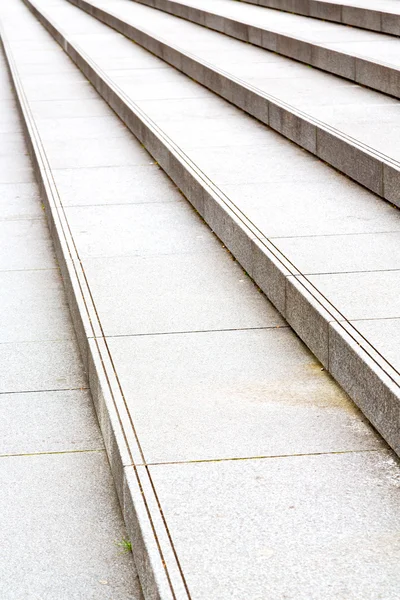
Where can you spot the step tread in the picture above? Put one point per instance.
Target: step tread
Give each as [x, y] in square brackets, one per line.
[248, 162]
[363, 120]
[62, 530]
[366, 57]
[236, 366]
[384, 16]
[381, 5]
[351, 40]
[256, 159]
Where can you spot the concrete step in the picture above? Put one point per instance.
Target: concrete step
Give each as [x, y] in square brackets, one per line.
[242, 468]
[352, 128]
[62, 532]
[371, 59]
[227, 165]
[383, 16]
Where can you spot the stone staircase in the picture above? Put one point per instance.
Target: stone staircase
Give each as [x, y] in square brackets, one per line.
[381, 16]
[242, 466]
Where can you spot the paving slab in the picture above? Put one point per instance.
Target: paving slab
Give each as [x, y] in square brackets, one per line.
[117, 59]
[47, 81]
[64, 109]
[48, 422]
[324, 207]
[96, 186]
[81, 128]
[189, 110]
[41, 366]
[34, 307]
[345, 253]
[35, 43]
[139, 230]
[368, 295]
[20, 201]
[25, 244]
[176, 292]
[53, 59]
[154, 91]
[148, 77]
[226, 132]
[10, 122]
[13, 144]
[6, 95]
[384, 335]
[64, 154]
[382, 136]
[60, 530]
[273, 161]
[242, 389]
[299, 527]
[57, 88]
[40, 68]
[15, 169]
[308, 91]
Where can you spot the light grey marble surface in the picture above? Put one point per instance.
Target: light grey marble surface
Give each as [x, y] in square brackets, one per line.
[61, 524]
[383, 17]
[256, 466]
[60, 518]
[296, 527]
[320, 111]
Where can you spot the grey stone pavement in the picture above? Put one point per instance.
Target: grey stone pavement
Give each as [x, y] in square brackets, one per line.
[340, 237]
[351, 127]
[366, 57]
[267, 479]
[323, 34]
[381, 16]
[60, 522]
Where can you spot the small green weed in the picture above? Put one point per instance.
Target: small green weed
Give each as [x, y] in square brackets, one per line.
[125, 545]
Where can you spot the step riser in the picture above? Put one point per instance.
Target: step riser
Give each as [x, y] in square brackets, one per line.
[376, 76]
[357, 369]
[367, 168]
[363, 18]
[138, 509]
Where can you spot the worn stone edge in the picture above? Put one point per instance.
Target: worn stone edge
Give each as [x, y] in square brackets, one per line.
[326, 59]
[309, 313]
[345, 14]
[363, 164]
[153, 554]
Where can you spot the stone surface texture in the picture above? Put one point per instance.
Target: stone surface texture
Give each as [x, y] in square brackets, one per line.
[242, 468]
[353, 128]
[61, 524]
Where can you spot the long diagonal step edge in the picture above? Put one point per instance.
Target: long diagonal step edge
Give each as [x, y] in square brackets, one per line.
[376, 74]
[370, 168]
[360, 14]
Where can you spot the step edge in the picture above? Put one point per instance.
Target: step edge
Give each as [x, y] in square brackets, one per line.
[378, 173]
[320, 10]
[315, 54]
